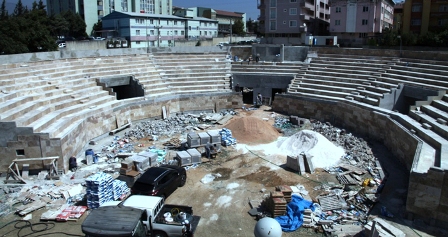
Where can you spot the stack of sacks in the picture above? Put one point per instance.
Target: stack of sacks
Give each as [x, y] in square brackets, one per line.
[99, 189]
[120, 189]
[226, 137]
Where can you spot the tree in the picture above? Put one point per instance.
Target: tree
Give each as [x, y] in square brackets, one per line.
[77, 26]
[97, 27]
[238, 28]
[3, 11]
[20, 9]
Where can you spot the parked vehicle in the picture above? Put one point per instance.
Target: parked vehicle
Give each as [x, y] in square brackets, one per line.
[160, 181]
[114, 221]
[127, 218]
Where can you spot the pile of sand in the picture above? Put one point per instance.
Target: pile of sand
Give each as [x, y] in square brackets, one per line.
[323, 152]
[252, 130]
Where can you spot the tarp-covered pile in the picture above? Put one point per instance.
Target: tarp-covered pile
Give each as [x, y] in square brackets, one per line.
[294, 213]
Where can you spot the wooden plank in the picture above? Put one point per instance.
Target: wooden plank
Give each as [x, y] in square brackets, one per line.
[36, 159]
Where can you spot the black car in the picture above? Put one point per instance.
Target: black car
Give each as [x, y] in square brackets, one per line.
[160, 181]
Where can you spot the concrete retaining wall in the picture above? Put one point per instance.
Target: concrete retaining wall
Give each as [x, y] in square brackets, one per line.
[427, 55]
[39, 145]
[427, 197]
[362, 120]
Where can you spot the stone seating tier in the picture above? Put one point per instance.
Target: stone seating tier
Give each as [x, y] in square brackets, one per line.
[76, 113]
[419, 75]
[386, 78]
[53, 112]
[425, 69]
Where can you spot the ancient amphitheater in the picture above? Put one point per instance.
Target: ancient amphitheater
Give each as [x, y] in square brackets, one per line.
[53, 104]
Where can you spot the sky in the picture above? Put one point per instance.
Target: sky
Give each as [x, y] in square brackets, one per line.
[247, 6]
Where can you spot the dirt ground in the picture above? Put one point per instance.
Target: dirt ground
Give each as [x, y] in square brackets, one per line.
[223, 204]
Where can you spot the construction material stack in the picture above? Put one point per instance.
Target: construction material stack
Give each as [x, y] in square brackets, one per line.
[120, 189]
[226, 137]
[195, 156]
[127, 166]
[183, 158]
[99, 189]
[286, 191]
[276, 204]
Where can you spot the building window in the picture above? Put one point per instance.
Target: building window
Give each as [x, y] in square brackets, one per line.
[137, 42]
[273, 25]
[365, 9]
[100, 2]
[273, 3]
[443, 8]
[443, 22]
[151, 32]
[151, 21]
[362, 35]
[137, 32]
[416, 22]
[292, 11]
[175, 23]
[416, 8]
[293, 23]
[205, 32]
[337, 22]
[139, 21]
[273, 13]
[292, 1]
[20, 152]
[175, 32]
[364, 22]
[182, 32]
[338, 9]
[152, 43]
[189, 27]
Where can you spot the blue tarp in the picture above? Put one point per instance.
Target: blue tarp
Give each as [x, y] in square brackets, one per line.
[294, 213]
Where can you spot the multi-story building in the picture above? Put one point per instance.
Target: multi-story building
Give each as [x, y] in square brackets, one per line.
[421, 16]
[93, 10]
[354, 21]
[398, 16]
[143, 30]
[225, 18]
[290, 21]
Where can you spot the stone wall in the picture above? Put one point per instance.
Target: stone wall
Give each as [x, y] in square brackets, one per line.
[426, 55]
[427, 198]
[40, 145]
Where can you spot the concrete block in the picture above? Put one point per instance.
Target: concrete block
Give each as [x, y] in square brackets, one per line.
[426, 126]
[441, 121]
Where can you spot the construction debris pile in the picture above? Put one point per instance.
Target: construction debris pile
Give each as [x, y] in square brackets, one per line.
[338, 208]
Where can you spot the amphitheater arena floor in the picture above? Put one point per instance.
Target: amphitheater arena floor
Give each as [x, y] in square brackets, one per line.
[223, 204]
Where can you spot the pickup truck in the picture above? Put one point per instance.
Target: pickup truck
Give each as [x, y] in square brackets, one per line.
[159, 219]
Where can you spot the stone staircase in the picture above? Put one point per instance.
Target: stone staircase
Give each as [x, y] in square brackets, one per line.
[54, 96]
[339, 77]
[194, 73]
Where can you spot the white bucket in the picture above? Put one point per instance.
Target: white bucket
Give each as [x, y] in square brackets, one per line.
[169, 219]
[182, 216]
[167, 214]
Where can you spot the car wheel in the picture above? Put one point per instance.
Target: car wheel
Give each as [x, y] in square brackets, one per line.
[183, 180]
[160, 234]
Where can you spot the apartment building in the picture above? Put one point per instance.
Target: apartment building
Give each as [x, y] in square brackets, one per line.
[355, 21]
[290, 21]
[93, 10]
[421, 16]
[225, 18]
[143, 30]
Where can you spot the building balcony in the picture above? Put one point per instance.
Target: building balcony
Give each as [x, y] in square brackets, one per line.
[305, 17]
[307, 5]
